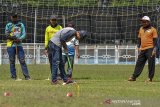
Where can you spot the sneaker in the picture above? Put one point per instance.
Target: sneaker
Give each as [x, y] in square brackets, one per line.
[69, 81]
[131, 79]
[55, 82]
[14, 78]
[148, 80]
[27, 78]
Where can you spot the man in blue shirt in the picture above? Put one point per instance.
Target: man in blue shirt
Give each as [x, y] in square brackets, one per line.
[15, 33]
[55, 48]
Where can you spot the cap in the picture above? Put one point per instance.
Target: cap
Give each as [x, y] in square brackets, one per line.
[70, 24]
[53, 17]
[145, 18]
[83, 34]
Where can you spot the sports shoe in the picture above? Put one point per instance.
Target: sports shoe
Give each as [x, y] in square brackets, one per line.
[69, 81]
[13, 78]
[131, 79]
[55, 82]
[27, 78]
[148, 80]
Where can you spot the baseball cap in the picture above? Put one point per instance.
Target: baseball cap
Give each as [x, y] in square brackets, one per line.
[53, 17]
[83, 34]
[145, 18]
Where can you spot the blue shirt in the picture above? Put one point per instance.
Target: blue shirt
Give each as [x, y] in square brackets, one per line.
[15, 29]
[71, 46]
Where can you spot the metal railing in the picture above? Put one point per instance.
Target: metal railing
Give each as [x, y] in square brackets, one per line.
[93, 54]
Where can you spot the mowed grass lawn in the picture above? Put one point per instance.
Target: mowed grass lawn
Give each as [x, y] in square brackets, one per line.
[99, 86]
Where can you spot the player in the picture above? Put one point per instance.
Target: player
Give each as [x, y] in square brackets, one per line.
[15, 33]
[55, 48]
[49, 33]
[147, 49]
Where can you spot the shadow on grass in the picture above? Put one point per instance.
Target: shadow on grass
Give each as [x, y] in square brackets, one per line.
[80, 78]
[76, 78]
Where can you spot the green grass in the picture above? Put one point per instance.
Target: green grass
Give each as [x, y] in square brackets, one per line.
[97, 84]
[90, 3]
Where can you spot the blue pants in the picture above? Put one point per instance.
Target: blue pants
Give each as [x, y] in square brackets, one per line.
[57, 62]
[50, 59]
[21, 56]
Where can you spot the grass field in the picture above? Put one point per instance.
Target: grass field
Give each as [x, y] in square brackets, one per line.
[99, 86]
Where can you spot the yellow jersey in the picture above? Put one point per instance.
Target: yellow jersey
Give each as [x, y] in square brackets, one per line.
[49, 33]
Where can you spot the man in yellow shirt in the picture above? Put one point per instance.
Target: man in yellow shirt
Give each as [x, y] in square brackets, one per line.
[49, 33]
[147, 39]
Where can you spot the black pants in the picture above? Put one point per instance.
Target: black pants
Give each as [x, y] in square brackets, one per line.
[143, 56]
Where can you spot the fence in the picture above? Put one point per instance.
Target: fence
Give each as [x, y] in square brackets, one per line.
[106, 24]
[94, 54]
